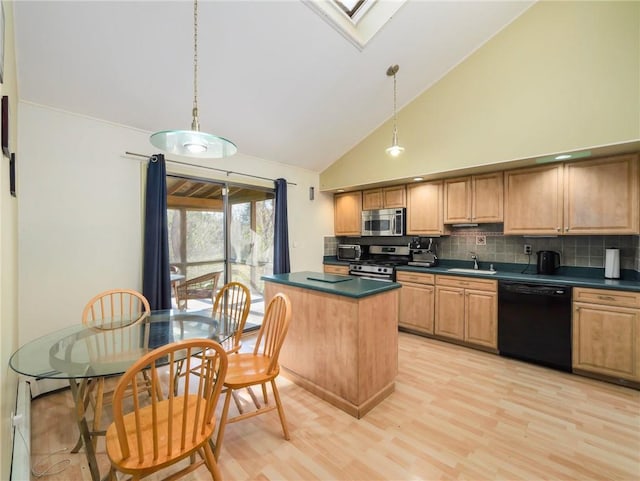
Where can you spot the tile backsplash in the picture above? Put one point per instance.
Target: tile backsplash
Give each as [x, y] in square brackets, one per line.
[575, 251]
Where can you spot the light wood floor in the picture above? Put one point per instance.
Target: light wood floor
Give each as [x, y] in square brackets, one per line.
[457, 413]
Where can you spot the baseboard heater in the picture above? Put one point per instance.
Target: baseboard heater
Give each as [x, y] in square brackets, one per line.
[21, 462]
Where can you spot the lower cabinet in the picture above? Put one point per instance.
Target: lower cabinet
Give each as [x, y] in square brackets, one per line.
[606, 333]
[466, 309]
[334, 269]
[416, 301]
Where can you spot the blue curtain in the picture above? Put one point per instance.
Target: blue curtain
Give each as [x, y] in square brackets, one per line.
[156, 284]
[281, 234]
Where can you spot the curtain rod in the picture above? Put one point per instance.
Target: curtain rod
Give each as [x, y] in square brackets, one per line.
[228, 172]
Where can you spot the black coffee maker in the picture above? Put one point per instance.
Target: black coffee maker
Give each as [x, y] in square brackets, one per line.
[548, 262]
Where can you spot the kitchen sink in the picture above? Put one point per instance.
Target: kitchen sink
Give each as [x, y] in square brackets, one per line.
[471, 271]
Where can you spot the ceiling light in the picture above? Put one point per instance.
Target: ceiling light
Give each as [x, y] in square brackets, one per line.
[418, 179]
[563, 157]
[395, 149]
[193, 143]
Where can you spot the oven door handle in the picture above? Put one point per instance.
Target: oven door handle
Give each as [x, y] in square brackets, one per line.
[372, 276]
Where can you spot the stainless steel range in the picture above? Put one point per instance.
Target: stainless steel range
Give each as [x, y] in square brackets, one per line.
[380, 263]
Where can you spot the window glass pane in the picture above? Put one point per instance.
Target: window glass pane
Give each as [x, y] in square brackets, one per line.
[205, 236]
[173, 226]
[264, 230]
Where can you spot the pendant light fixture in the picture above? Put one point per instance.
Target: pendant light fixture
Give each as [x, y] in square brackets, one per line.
[193, 143]
[395, 149]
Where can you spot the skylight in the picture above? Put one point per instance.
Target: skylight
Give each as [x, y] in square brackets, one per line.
[356, 20]
[350, 7]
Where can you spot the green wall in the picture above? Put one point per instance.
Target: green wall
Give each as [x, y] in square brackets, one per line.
[561, 77]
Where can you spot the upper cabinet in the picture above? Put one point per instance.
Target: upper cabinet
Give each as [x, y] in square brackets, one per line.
[597, 196]
[347, 213]
[601, 196]
[477, 198]
[384, 198]
[533, 200]
[424, 209]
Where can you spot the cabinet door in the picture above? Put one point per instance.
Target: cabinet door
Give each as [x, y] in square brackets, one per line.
[487, 195]
[533, 200]
[481, 325]
[449, 312]
[416, 307]
[372, 199]
[394, 197]
[606, 340]
[457, 200]
[601, 196]
[347, 213]
[424, 209]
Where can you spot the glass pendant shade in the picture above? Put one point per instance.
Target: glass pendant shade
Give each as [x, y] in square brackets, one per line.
[395, 150]
[193, 143]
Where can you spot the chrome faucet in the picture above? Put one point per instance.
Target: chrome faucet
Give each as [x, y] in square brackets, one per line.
[474, 256]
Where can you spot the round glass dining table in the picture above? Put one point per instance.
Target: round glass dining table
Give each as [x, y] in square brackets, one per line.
[80, 354]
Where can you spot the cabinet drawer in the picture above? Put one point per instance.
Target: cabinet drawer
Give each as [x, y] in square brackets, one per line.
[607, 297]
[334, 269]
[415, 277]
[467, 283]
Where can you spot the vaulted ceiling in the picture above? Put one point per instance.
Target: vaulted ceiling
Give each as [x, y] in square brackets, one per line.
[274, 77]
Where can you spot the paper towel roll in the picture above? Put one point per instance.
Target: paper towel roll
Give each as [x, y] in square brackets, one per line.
[612, 264]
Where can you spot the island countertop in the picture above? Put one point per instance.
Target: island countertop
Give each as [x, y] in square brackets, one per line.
[348, 286]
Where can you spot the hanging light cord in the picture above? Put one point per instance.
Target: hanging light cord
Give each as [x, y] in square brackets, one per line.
[395, 110]
[195, 124]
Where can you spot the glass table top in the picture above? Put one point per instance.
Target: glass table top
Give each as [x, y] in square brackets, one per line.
[79, 351]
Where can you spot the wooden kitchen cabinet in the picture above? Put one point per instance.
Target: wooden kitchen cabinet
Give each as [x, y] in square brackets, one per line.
[476, 198]
[601, 196]
[347, 213]
[425, 209]
[384, 198]
[416, 301]
[533, 200]
[606, 333]
[334, 269]
[466, 309]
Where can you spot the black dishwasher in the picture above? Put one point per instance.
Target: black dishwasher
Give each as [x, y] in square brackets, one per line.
[534, 323]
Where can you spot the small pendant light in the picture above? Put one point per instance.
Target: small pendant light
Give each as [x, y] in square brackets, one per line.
[395, 149]
[193, 143]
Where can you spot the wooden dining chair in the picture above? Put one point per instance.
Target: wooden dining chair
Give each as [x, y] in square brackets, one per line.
[163, 432]
[114, 314]
[258, 367]
[231, 307]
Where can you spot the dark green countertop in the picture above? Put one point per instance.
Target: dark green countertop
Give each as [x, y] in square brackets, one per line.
[348, 286]
[571, 276]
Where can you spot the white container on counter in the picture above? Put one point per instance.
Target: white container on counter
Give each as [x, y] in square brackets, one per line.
[612, 263]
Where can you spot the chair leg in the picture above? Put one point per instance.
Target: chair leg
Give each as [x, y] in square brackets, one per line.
[253, 397]
[210, 461]
[237, 401]
[264, 393]
[283, 421]
[223, 422]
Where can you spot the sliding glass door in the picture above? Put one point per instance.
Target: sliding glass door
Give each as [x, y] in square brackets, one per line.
[215, 227]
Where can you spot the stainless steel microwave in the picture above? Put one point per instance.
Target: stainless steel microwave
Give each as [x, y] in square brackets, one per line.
[383, 222]
[349, 252]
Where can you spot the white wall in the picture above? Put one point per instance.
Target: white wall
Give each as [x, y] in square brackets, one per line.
[8, 255]
[80, 216]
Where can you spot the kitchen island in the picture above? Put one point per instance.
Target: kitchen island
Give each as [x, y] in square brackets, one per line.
[342, 343]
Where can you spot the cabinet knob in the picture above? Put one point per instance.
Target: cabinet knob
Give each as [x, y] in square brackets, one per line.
[558, 229]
